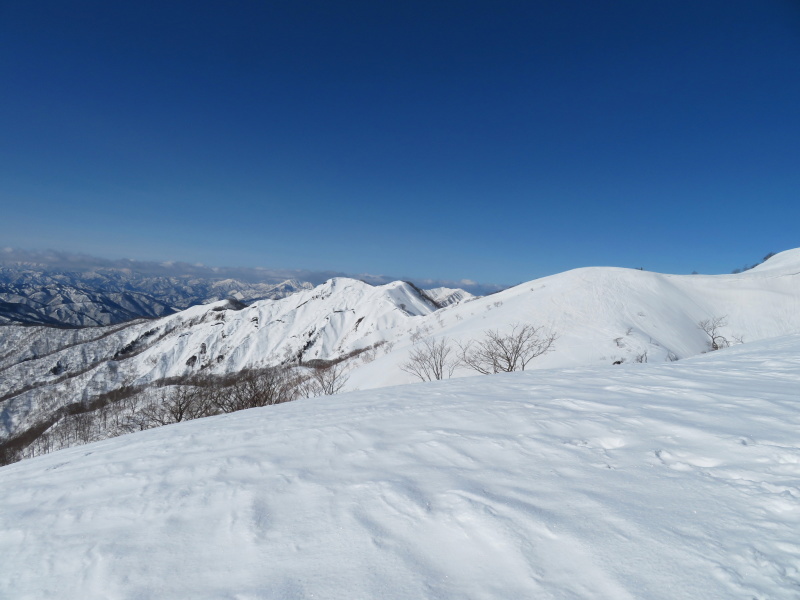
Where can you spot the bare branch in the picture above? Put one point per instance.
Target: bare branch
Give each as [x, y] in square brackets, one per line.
[253, 388]
[712, 327]
[504, 353]
[327, 380]
[430, 360]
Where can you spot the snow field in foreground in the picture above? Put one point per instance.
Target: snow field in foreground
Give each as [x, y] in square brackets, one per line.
[642, 481]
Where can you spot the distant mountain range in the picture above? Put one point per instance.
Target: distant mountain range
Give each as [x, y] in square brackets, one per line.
[110, 296]
[68, 290]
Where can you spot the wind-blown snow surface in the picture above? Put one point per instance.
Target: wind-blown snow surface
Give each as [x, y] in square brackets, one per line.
[644, 481]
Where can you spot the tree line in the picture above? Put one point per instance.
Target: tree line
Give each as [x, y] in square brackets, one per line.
[173, 400]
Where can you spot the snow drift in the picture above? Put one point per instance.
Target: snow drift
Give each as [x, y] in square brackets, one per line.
[676, 480]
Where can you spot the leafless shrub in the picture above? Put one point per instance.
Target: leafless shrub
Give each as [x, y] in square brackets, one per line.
[431, 360]
[132, 408]
[327, 380]
[498, 352]
[369, 355]
[711, 327]
[176, 404]
[254, 388]
[291, 356]
[641, 358]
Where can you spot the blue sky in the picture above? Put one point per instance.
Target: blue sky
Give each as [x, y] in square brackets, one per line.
[490, 141]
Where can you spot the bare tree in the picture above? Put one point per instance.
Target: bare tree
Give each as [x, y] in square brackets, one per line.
[504, 353]
[711, 327]
[368, 355]
[177, 404]
[253, 388]
[430, 360]
[327, 380]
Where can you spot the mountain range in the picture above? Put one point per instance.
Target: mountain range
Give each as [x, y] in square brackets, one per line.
[73, 290]
[597, 316]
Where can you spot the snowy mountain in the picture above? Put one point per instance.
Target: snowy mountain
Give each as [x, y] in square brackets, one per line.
[34, 301]
[43, 370]
[109, 296]
[69, 290]
[448, 296]
[604, 315]
[664, 481]
[600, 316]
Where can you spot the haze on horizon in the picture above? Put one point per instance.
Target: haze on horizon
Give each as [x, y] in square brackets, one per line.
[487, 142]
[55, 261]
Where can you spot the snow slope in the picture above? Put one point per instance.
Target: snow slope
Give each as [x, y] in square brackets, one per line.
[602, 315]
[606, 314]
[447, 296]
[669, 481]
[50, 368]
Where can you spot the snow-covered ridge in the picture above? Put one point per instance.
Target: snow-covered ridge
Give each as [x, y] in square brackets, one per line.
[50, 368]
[62, 289]
[782, 264]
[601, 316]
[448, 296]
[668, 482]
[604, 314]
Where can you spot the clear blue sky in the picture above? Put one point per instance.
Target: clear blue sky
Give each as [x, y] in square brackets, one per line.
[492, 141]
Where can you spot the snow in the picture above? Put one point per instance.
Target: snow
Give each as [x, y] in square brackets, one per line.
[340, 316]
[601, 315]
[45, 294]
[445, 296]
[671, 480]
[782, 263]
[606, 314]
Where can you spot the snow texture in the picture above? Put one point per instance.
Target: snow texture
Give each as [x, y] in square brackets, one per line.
[669, 481]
